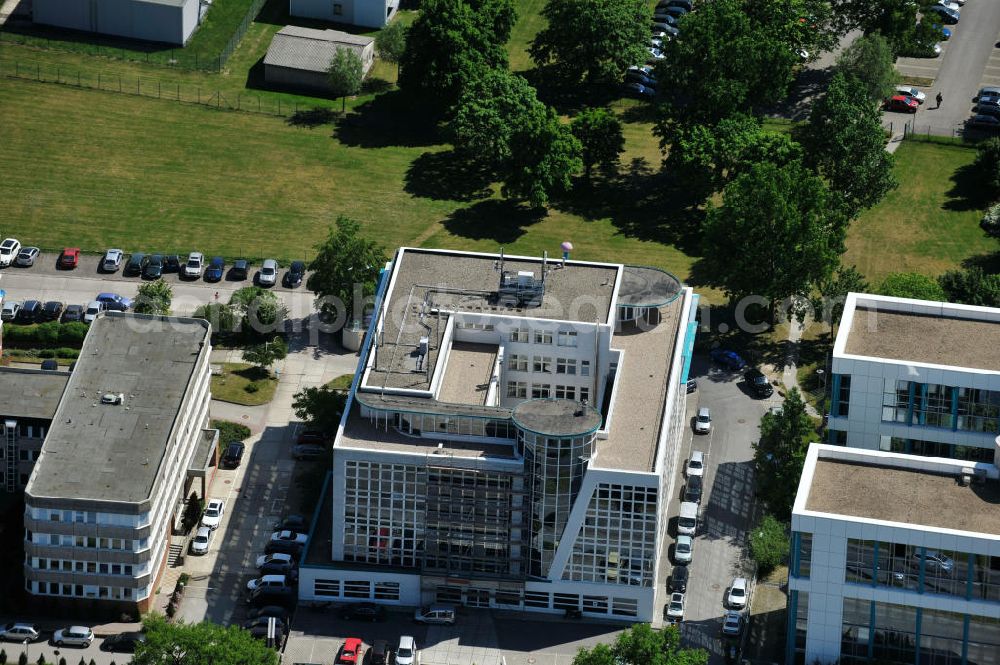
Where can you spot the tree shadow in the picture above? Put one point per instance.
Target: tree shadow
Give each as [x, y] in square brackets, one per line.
[989, 263]
[389, 119]
[444, 175]
[374, 85]
[500, 220]
[967, 191]
[312, 118]
[807, 86]
[569, 97]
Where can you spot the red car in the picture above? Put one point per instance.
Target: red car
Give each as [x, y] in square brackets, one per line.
[350, 652]
[902, 103]
[69, 258]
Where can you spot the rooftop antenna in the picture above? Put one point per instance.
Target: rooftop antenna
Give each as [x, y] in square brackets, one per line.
[545, 264]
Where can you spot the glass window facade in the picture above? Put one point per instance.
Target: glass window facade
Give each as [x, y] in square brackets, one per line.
[936, 449]
[384, 507]
[935, 405]
[843, 396]
[802, 553]
[920, 569]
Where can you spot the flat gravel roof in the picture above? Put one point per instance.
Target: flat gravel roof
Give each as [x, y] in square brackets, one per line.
[30, 393]
[109, 452]
[556, 417]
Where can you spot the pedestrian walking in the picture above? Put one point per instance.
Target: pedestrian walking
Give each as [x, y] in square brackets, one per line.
[216, 296]
[939, 99]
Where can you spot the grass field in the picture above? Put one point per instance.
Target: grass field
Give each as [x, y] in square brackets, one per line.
[232, 384]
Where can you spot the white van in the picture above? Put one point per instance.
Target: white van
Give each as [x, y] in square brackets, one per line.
[406, 652]
[687, 523]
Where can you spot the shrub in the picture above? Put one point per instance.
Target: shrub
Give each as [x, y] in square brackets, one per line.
[252, 387]
[230, 431]
[769, 544]
[183, 579]
[41, 659]
[991, 221]
[66, 352]
[72, 333]
[22, 659]
[46, 353]
[3, 657]
[48, 334]
[62, 661]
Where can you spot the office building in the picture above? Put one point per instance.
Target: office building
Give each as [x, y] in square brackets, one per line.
[511, 439]
[916, 377]
[28, 401]
[127, 440]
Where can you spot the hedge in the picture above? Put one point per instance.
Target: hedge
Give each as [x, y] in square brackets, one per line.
[51, 334]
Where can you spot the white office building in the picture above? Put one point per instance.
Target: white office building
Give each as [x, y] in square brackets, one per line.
[916, 377]
[895, 559]
[511, 438]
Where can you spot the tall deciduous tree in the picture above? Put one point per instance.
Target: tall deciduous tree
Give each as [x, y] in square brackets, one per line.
[259, 310]
[180, 643]
[641, 645]
[320, 406]
[775, 234]
[450, 44]
[870, 60]
[971, 287]
[911, 285]
[596, 40]
[895, 20]
[154, 298]
[267, 353]
[600, 135]
[845, 143]
[833, 290]
[345, 270]
[544, 157]
[390, 42]
[780, 453]
[345, 75]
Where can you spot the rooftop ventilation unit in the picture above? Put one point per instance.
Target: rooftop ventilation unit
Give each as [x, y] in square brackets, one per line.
[521, 289]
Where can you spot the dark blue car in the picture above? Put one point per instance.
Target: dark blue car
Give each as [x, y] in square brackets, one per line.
[216, 268]
[727, 358]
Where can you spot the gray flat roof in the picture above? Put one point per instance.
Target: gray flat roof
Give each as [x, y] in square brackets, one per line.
[30, 393]
[310, 49]
[903, 495]
[920, 338]
[432, 281]
[102, 452]
[556, 417]
[467, 377]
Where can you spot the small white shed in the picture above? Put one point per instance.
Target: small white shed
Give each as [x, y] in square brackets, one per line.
[299, 57]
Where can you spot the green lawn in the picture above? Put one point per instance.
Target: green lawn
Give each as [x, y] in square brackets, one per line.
[930, 224]
[232, 384]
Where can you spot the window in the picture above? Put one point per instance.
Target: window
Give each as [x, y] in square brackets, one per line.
[566, 338]
[626, 607]
[536, 599]
[338, 9]
[565, 392]
[542, 364]
[326, 587]
[978, 410]
[519, 335]
[933, 405]
[895, 401]
[360, 589]
[517, 363]
[387, 590]
[543, 337]
[517, 389]
[565, 366]
[584, 394]
[843, 397]
[805, 554]
[539, 392]
[584, 368]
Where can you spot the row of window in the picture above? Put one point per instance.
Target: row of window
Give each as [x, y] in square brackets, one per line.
[86, 591]
[327, 588]
[935, 405]
[935, 449]
[520, 390]
[519, 363]
[89, 517]
[626, 607]
[91, 567]
[93, 542]
[566, 338]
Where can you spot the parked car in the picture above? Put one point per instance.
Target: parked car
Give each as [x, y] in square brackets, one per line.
[292, 523]
[214, 511]
[363, 612]
[692, 490]
[10, 310]
[949, 4]
[268, 273]
[683, 549]
[268, 611]
[295, 274]
[50, 364]
[703, 421]
[26, 257]
[675, 607]
[19, 632]
[692, 386]
[270, 597]
[913, 93]
[984, 122]
[661, 23]
[350, 652]
[283, 547]
[267, 559]
[673, 10]
[935, 561]
[201, 540]
[194, 265]
[406, 652]
[435, 614]
[52, 310]
[732, 623]
[78, 636]
[308, 451]
[93, 309]
[123, 642]
[153, 268]
[133, 267]
[727, 358]
[639, 90]
[287, 568]
[9, 249]
[114, 302]
[112, 260]
[216, 269]
[901, 104]
[687, 520]
[30, 311]
[240, 269]
[379, 652]
[758, 383]
[233, 455]
[269, 582]
[290, 536]
[736, 598]
[250, 624]
[679, 579]
[944, 14]
[686, 4]
[69, 258]
[655, 54]
[640, 78]
[171, 263]
[73, 313]
[987, 91]
[695, 464]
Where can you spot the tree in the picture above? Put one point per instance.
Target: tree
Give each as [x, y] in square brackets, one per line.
[221, 316]
[595, 40]
[22, 659]
[833, 291]
[266, 354]
[206, 642]
[345, 271]
[345, 75]
[780, 453]
[259, 309]
[544, 156]
[971, 287]
[987, 166]
[845, 143]
[725, 62]
[192, 511]
[911, 285]
[775, 234]
[870, 60]
[600, 135]
[769, 544]
[390, 42]
[450, 44]
[639, 644]
[154, 298]
[320, 406]
[895, 20]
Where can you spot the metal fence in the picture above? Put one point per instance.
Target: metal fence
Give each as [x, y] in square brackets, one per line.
[144, 86]
[181, 58]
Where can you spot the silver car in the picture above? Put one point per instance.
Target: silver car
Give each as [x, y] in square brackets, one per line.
[268, 274]
[77, 636]
[199, 545]
[112, 260]
[19, 632]
[26, 257]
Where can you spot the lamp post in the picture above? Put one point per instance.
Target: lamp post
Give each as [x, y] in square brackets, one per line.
[26, 642]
